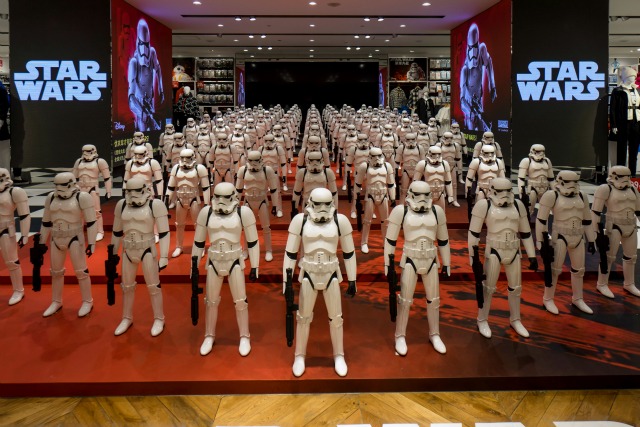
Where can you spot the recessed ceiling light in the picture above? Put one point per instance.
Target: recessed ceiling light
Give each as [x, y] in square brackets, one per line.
[370, 56]
[377, 50]
[411, 51]
[312, 40]
[212, 50]
[638, 49]
[197, 3]
[220, 25]
[348, 48]
[259, 47]
[269, 48]
[246, 50]
[236, 40]
[253, 18]
[263, 36]
[380, 19]
[312, 25]
[357, 48]
[356, 37]
[238, 18]
[250, 36]
[426, 4]
[311, 50]
[387, 40]
[402, 26]
[310, 56]
[367, 19]
[312, 3]
[253, 56]
[367, 37]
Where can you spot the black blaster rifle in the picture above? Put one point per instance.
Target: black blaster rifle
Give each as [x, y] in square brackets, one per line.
[359, 212]
[392, 278]
[349, 189]
[476, 109]
[195, 291]
[471, 201]
[294, 208]
[524, 198]
[290, 308]
[602, 243]
[36, 256]
[546, 252]
[478, 273]
[111, 273]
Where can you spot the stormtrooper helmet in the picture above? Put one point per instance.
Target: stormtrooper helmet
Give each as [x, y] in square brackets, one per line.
[220, 122]
[410, 140]
[254, 160]
[169, 129]
[488, 138]
[89, 152]
[363, 141]
[473, 46]
[313, 143]
[619, 177]
[537, 152]
[178, 139]
[277, 130]
[251, 123]
[455, 128]
[221, 140]
[447, 138]
[388, 129]
[628, 76]
[376, 158]
[419, 197]
[206, 118]
[314, 130]
[225, 198]
[203, 129]
[269, 142]
[500, 192]
[488, 154]
[351, 130]
[187, 158]
[567, 183]
[433, 122]
[143, 49]
[191, 122]
[320, 206]
[406, 122]
[138, 138]
[422, 129]
[315, 162]
[237, 130]
[5, 180]
[136, 192]
[140, 154]
[65, 185]
[434, 156]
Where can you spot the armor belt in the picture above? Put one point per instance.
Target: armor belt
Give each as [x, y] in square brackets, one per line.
[541, 185]
[70, 232]
[484, 184]
[387, 151]
[222, 164]
[503, 244]
[566, 228]
[230, 255]
[437, 188]
[186, 194]
[420, 253]
[255, 195]
[377, 192]
[137, 240]
[85, 182]
[621, 219]
[322, 267]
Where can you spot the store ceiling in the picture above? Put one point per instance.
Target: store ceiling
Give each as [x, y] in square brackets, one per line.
[286, 24]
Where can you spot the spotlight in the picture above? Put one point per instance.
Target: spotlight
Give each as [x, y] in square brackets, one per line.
[253, 18]
[367, 19]
[380, 19]
[238, 18]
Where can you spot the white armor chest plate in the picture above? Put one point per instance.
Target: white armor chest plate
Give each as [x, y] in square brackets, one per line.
[6, 206]
[377, 183]
[142, 170]
[404, 130]
[167, 139]
[218, 130]
[137, 220]
[320, 240]
[502, 225]
[486, 172]
[255, 186]
[222, 158]
[537, 175]
[270, 158]
[449, 154]
[360, 156]
[434, 176]
[621, 204]
[418, 227]
[204, 143]
[568, 207]
[313, 181]
[387, 145]
[224, 231]
[433, 134]
[374, 131]
[237, 147]
[280, 141]
[88, 173]
[350, 141]
[410, 158]
[187, 177]
[65, 211]
[175, 153]
[191, 134]
[457, 137]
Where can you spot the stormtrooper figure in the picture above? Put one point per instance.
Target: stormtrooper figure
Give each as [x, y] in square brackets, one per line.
[408, 155]
[437, 173]
[221, 160]
[149, 169]
[313, 143]
[572, 221]
[223, 223]
[355, 156]
[187, 180]
[505, 218]
[423, 138]
[256, 180]
[171, 156]
[423, 224]
[484, 169]
[348, 140]
[376, 178]
[135, 218]
[283, 141]
[452, 155]
[164, 142]
[487, 139]
[374, 130]
[315, 130]
[13, 199]
[622, 201]
[87, 171]
[319, 230]
[458, 137]
[472, 77]
[143, 75]
[240, 144]
[337, 134]
[433, 130]
[203, 144]
[404, 129]
[206, 120]
[535, 172]
[275, 157]
[221, 128]
[138, 141]
[65, 211]
[252, 132]
[315, 175]
[388, 143]
[190, 131]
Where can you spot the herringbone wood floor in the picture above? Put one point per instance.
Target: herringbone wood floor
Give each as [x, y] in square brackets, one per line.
[531, 408]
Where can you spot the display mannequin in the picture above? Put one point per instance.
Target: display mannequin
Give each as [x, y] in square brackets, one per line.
[164, 145]
[484, 169]
[452, 155]
[433, 130]
[535, 172]
[312, 143]
[87, 171]
[404, 128]
[354, 157]
[422, 138]
[240, 144]
[144, 73]
[374, 130]
[13, 199]
[187, 106]
[190, 131]
[138, 141]
[66, 211]
[221, 127]
[135, 218]
[252, 132]
[149, 169]
[223, 223]
[423, 224]
[221, 160]
[505, 218]
[472, 76]
[203, 144]
[624, 116]
[487, 139]
[206, 120]
[425, 107]
[460, 139]
[187, 180]
[377, 178]
[408, 155]
[571, 223]
[172, 150]
[315, 130]
[443, 117]
[318, 230]
[314, 175]
[388, 142]
[285, 142]
[622, 201]
[437, 173]
[254, 182]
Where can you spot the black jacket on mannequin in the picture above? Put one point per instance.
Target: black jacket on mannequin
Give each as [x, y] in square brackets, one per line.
[426, 109]
[627, 130]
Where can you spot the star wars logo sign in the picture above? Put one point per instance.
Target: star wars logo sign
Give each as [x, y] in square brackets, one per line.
[60, 81]
[561, 81]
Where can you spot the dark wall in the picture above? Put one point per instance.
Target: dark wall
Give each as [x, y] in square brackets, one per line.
[306, 83]
[573, 131]
[51, 132]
